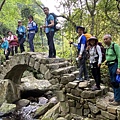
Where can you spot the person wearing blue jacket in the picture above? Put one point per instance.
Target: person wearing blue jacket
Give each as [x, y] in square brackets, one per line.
[5, 46]
[31, 27]
[21, 33]
[82, 57]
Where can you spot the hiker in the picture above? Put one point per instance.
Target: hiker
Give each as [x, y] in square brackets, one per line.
[113, 62]
[81, 46]
[49, 30]
[95, 59]
[21, 33]
[31, 32]
[5, 46]
[13, 43]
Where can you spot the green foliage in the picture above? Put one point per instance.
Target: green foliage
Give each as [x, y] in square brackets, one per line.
[25, 12]
[75, 11]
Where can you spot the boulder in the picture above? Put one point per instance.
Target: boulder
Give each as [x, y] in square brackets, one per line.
[23, 103]
[51, 113]
[7, 108]
[31, 83]
[8, 91]
[43, 109]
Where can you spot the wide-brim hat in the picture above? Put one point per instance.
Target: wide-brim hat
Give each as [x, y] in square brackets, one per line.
[93, 38]
[81, 27]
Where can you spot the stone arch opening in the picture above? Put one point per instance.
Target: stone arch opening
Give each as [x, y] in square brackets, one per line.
[16, 73]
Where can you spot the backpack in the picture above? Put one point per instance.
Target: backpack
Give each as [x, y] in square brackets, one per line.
[118, 78]
[55, 22]
[103, 50]
[36, 27]
[87, 35]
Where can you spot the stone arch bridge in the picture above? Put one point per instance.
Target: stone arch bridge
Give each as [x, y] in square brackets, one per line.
[56, 70]
[14, 68]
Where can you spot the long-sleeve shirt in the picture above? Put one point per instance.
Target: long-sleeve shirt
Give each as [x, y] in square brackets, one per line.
[21, 30]
[32, 27]
[111, 55]
[5, 45]
[81, 46]
[95, 54]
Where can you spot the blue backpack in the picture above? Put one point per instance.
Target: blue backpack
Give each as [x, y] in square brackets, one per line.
[118, 78]
[36, 27]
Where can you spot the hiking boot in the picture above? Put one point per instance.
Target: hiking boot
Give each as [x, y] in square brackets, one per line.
[95, 88]
[114, 103]
[111, 99]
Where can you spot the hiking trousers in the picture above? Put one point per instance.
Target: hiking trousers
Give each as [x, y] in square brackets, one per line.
[52, 50]
[14, 50]
[21, 43]
[83, 67]
[96, 73]
[7, 54]
[30, 40]
[115, 85]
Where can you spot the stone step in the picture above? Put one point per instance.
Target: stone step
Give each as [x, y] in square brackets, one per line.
[51, 60]
[66, 78]
[64, 70]
[76, 73]
[54, 66]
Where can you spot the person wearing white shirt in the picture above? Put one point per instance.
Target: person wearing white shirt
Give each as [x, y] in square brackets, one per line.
[95, 58]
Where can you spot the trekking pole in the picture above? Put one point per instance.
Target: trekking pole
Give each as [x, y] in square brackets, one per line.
[41, 36]
[70, 54]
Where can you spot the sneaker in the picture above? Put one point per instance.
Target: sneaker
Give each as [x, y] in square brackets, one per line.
[80, 79]
[95, 88]
[114, 103]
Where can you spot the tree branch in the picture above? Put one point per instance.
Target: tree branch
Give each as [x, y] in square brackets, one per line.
[63, 16]
[68, 19]
[3, 2]
[108, 15]
[38, 4]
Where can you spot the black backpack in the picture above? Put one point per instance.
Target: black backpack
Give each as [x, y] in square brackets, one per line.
[103, 50]
[55, 21]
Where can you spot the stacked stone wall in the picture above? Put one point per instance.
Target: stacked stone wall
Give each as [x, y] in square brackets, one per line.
[77, 98]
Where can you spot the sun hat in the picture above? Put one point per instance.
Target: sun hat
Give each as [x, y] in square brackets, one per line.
[19, 21]
[93, 38]
[81, 27]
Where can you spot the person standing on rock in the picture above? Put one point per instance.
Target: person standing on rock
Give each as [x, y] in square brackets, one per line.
[49, 30]
[21, 32]
[13, 43]
[82, 56]
[95, 59]
[113, 62]
[31, 32]
[5, 46]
